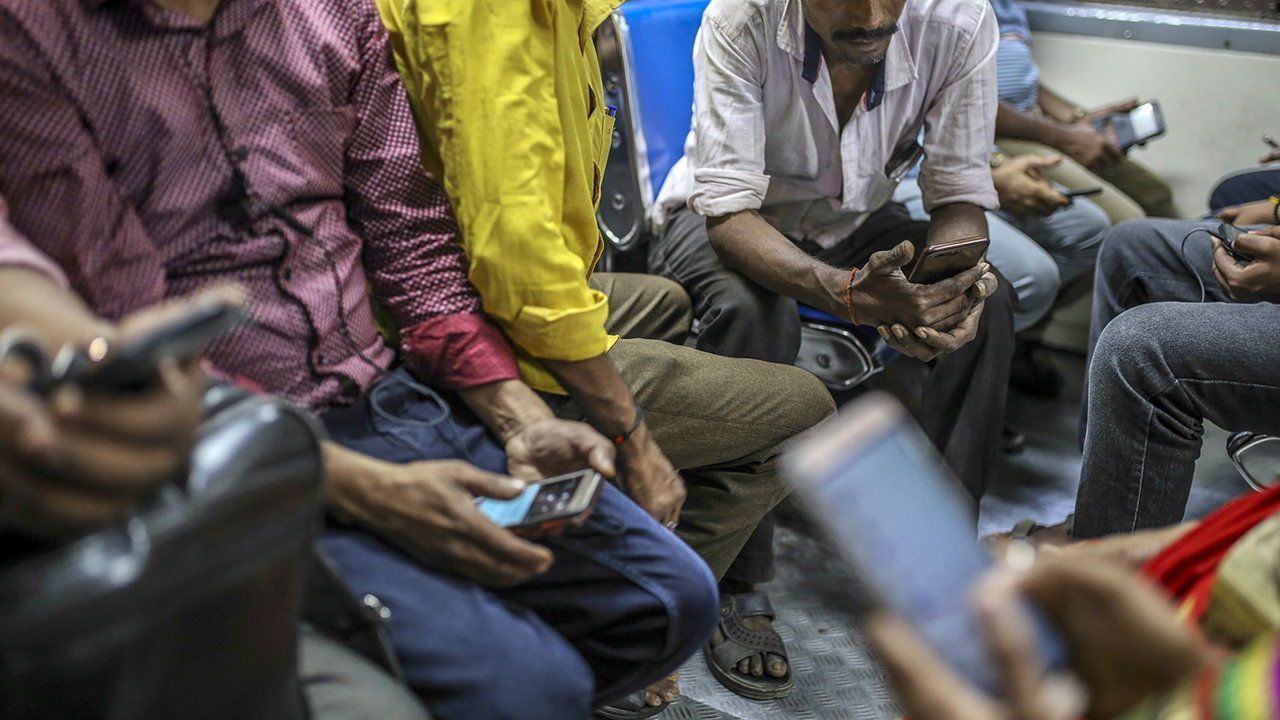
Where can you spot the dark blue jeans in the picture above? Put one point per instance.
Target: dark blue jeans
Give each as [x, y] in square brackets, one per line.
[625, 603]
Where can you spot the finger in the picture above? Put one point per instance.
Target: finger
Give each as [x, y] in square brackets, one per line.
[47, 509]
[939, 314]
[925, 686]
[907, 344]
[172, 311]
[1010, 638]
[481, 483]
[501, 546]
[891, 259]
[169, 413]
[1044, 161]
[599, 453]
[955, 339]
[1257, 245]
[957, 284]
[1223, 283]
[26, 430]
[102, 465]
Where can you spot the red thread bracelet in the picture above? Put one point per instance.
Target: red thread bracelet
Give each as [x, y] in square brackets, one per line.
[848, 295]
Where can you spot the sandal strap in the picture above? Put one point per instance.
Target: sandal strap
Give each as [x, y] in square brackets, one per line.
[739, 640]
[752, 604]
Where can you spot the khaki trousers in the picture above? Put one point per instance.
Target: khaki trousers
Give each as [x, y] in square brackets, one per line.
[1129, 190]
[721, 421]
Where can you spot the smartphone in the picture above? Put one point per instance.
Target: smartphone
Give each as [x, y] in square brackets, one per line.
[939, 262]
[135, 366]
[895, 516]
[1082, 192]
[1136, 126]
[546, 507]
[1227, 233]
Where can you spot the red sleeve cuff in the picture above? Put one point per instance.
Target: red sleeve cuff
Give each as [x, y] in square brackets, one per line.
[459, 351]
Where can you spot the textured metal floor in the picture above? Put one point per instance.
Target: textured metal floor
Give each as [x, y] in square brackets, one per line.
[835, 678]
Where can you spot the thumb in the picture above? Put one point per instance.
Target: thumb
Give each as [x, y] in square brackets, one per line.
[1046, 161]
[891, 259]
[595, 449]
[486, 484]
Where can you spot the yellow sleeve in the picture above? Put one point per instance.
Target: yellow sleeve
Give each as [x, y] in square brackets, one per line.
[482, 79]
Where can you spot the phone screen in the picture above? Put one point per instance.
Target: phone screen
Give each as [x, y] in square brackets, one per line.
[1144, 121]
[534, 503]
[893, 510]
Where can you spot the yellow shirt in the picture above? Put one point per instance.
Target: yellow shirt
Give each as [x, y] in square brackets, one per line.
[509, 104]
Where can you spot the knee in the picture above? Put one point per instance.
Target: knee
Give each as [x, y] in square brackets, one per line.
[1124, 247]
[809, 402]
[671, 302]
[1130, 352]
[737, 310]
[1035, 291]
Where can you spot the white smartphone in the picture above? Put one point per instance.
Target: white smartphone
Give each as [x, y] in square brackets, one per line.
[895, 515]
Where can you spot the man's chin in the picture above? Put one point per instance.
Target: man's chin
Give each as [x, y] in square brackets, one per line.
[863, 59]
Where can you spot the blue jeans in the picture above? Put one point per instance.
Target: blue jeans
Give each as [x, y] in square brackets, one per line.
[625, 603]
[1161, 363]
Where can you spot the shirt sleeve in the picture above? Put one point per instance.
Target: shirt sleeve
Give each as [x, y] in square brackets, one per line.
[728, 157]
[1244, 688]
[412, 255]
[483, 81]
[58, 185]
[960, 125]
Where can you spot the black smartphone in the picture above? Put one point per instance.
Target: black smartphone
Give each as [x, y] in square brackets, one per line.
[546, 507]
[944, 260]
[1131, 128]
[134, 367]
[1227, 233]
[1082, 192]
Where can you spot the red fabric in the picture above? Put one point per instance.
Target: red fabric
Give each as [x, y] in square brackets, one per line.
[459, 351]
[1188, 568]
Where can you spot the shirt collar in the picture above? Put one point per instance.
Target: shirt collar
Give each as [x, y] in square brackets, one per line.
[594, 13]
[803, 43]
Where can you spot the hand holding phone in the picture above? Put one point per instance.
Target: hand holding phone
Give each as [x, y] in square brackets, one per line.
[1135, 127]
[548, 507]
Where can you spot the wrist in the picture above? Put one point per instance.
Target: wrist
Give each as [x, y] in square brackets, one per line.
[350, 479]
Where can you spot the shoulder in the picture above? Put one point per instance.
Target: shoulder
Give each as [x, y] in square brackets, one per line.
[935, 19]
[740, 19]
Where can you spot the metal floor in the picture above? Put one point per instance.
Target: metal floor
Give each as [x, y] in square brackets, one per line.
[834, 676]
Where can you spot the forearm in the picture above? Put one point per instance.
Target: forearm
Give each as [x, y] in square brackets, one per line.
[506, 406]
[1019, 125]
[32, 300]
[958, 221]
[599, 390]
[750, 245]
[1055, 106]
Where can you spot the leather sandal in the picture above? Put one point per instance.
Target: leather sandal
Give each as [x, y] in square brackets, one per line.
[631, 707]
[739, 641]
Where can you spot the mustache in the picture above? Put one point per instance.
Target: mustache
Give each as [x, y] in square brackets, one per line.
[864, 34]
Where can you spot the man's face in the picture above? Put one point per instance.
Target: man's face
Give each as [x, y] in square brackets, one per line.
[855, 31]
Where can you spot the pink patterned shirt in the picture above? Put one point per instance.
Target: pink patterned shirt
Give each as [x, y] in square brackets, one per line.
[121, 126]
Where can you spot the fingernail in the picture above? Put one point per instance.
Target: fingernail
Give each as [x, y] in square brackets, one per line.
[883, 333]
[518, 485]
[920, 333]
[899, 332]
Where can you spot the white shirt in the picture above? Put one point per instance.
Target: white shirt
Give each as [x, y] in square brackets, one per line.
[765, 137]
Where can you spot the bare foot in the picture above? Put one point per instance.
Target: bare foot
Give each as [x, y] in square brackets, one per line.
[663, 691]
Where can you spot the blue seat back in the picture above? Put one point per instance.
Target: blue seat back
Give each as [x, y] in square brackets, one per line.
[661, 34]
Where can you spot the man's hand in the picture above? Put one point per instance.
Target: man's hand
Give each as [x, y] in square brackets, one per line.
[1254, 213]
[78, 460]
[428, 510]
[1257, 281]
[1273, 156]
[1126, 645]
[553, 447]
[650, 478]
[1023, 191]
[1083, 143]
[1105, 111]
[921, 321]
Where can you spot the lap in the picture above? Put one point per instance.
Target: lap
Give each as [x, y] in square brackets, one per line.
[644, 306]
[341, 685]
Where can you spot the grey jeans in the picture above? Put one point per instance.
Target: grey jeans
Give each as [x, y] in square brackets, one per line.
[1161, 363]
[341, 685]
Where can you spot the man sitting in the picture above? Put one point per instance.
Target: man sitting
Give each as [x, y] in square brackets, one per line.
[1183, 332]
[511, 108]
[803, 123]
[154, 147]
[1034, 120]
